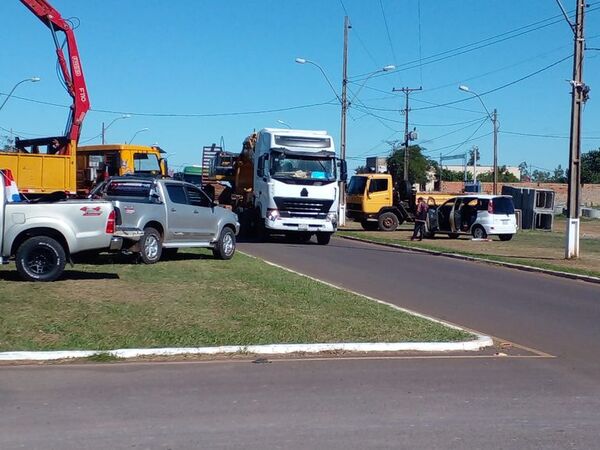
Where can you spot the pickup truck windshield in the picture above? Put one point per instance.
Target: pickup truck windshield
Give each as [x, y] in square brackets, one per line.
[302, 167]
[357, 185]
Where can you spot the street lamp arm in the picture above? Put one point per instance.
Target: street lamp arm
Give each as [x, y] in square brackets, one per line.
[33, 79]
[308, 61]
[385, 69]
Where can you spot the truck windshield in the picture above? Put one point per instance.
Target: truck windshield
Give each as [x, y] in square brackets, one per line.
[302, 167]
[146, 163]
[357, 185]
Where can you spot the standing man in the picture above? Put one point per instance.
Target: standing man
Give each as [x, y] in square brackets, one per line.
[420, 219]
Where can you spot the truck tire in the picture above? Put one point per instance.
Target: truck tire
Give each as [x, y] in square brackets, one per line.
[40, 258]
[369, 225]
[150, 246]
[225, 246]
[323, 238]
[388, 221]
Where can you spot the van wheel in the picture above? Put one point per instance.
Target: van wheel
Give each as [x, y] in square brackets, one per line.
[40, 258]
[479, 232]
[388, 221]
[505, 237]
[151, 246]
[323, 238]
[225, 247]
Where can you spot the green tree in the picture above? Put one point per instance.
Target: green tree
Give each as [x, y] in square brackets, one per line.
[451, 175]
[504, 176]
[590, 167]
[540, 176]
[559, 175]
[418, 164]
[524, 170]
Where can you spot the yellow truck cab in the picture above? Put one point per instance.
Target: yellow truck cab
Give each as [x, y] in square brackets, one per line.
[372, 200]
[96, 162]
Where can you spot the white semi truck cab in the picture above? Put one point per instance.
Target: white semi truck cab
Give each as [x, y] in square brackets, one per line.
[296, 183]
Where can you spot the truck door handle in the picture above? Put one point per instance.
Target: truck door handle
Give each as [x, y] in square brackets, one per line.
[196, 211]
[173, 210]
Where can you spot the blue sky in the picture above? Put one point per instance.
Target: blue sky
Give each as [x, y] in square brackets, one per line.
[236, 58]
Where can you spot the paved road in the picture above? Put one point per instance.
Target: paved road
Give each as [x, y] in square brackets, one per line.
[461, 403]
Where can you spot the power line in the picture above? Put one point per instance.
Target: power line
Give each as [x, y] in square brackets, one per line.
[473, 46]
[144, 114]
[549, 136]
[387, 29]
[355, 33]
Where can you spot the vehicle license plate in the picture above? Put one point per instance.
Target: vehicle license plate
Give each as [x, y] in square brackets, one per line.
[303, 227]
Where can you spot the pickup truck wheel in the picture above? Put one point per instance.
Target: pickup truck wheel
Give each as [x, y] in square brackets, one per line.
[40, 258]
[225, 247]
[388, 221]
[151, 246]
[323, 238]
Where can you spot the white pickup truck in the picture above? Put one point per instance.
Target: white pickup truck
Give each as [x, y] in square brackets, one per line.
[41, 237]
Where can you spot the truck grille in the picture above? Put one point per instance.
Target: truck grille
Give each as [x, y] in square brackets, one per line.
[303, 207]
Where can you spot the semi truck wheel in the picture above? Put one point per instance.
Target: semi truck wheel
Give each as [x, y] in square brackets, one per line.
[225, 247]
[150, 246]
[388, 221]
[323, 238]
[40, 258]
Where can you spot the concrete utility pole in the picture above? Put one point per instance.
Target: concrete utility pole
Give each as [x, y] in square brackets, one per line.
[103, 130]
[495, 122]
[578, 98]
[344, 101]
[407, 136]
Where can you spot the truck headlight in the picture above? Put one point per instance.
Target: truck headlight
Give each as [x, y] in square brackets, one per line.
[273, 215]
[333, 218]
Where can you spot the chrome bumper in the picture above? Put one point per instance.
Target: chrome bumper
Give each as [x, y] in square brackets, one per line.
[115, 243]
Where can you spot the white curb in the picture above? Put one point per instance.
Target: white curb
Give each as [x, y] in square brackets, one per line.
[480, 342]
[276, 349]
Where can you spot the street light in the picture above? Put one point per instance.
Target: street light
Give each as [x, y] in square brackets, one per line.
[284, 123]
[494, 118]
[136, 133]
[104, 128]
[345, 104]
[32, 79]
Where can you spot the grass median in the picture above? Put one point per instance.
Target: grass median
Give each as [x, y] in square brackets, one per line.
[194, 301]
[543, 249]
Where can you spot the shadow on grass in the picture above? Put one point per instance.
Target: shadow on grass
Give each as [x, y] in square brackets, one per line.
[12, 275]
[105, 259]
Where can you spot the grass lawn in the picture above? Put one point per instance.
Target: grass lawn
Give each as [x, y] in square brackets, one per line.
[194, 300]
[530, 247]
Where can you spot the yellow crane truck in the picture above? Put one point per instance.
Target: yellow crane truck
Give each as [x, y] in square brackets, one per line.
[96, 162]
[372, 200]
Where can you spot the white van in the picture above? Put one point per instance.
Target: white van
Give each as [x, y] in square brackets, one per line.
[478, 215]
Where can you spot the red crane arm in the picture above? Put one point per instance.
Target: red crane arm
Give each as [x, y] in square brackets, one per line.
[73, 74]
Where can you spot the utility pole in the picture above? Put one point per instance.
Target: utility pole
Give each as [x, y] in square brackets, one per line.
[495, 122]
[578, 98]
[342, 207]
[103, 133]
[407, 136]
[475, 156]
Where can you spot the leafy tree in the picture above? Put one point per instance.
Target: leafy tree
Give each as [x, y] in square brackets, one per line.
[472, 152]
[540, 176]
[559, 175]
[504, 176]
[451, 175]
[590, 167]
[524, 169]
[418, 164]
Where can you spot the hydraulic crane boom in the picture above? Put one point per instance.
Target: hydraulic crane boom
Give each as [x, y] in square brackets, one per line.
[73, 73]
